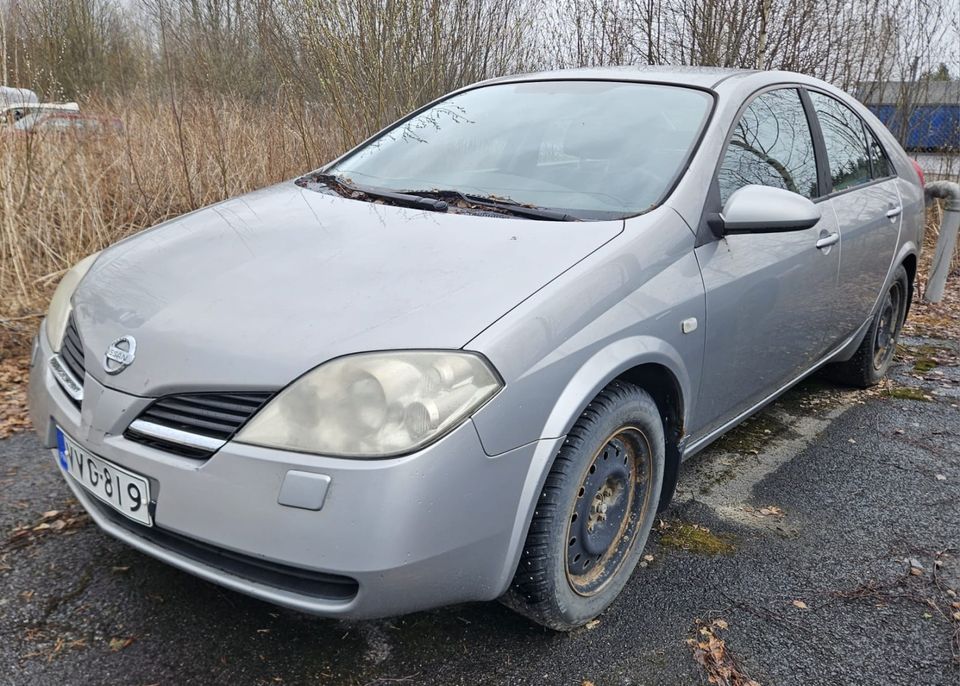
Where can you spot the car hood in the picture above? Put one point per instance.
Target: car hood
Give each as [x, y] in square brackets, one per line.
[252, 292]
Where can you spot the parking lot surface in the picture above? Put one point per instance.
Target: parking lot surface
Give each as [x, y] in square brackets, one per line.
[820, 542]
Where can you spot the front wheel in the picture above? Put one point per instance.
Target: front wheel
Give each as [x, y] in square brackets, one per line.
[595, 512]
[875, 354]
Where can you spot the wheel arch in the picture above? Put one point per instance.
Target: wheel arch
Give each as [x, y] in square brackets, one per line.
[639, 359]
[907, 256]
[661, 383]
[649, 362]
[645, 361]
[910, 264]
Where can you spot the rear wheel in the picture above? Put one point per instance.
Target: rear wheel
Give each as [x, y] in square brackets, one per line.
[872, 359]
[595, 512]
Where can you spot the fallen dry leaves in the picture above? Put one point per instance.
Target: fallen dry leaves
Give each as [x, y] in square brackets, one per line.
[50, 522]
[118, 644]
[711, 653]
[50, 646]
[931, 591]
[14, 373]
[765, 511]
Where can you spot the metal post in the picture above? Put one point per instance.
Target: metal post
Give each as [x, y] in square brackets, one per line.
[947, 241]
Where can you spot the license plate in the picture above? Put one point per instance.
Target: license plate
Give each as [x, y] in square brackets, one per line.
[121, 489]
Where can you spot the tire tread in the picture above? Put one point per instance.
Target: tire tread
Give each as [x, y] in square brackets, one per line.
[531, 593]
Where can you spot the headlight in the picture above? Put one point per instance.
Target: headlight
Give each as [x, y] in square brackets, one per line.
[59, 310]
[374, 404]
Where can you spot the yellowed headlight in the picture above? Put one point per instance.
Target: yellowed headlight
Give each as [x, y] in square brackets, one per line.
[375, 404]
[60, 307]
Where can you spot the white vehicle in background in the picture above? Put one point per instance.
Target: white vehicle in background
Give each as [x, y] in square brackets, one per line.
[19, 103]
[14, 103]
[17, 96]
[18, 113]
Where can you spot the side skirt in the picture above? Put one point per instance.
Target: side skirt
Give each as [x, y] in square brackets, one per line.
[689, 448]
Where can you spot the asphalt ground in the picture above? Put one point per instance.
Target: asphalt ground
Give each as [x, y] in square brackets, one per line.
[818, 543]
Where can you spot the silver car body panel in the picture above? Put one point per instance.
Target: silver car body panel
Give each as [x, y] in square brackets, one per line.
[621, 307]
[254, 292]
[364, 529]
[260, 313]
[770, 298]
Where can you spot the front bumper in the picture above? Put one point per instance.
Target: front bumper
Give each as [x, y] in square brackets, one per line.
[441, 526]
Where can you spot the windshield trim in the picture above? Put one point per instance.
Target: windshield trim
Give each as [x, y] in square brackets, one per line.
[680, 172]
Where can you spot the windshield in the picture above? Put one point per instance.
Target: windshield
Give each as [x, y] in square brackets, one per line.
[592, 149]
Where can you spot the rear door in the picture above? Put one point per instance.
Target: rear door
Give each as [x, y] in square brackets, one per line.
[865, 199]
[769, 295]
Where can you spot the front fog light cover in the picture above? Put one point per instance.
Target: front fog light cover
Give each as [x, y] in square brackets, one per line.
[374, 404]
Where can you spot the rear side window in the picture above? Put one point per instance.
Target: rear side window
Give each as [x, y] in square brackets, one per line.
[771, 146]
[882, 168]
[846, 143]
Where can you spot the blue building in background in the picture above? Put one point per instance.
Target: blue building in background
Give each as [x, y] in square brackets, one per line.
[924, 115]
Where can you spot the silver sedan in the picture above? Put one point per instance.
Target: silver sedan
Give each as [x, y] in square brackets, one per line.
[465, 360]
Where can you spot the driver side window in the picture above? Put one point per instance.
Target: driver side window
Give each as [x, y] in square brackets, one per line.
[771, 146]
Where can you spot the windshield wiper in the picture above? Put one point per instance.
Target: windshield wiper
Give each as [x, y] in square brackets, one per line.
[337, 183]
[503, 204]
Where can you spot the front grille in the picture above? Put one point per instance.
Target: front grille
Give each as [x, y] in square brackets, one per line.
[168, 446]
[208, 415]
[71, 350]
[274, 574]
[217, 415]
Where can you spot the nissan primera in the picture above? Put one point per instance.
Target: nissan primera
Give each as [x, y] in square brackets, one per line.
[465, 360]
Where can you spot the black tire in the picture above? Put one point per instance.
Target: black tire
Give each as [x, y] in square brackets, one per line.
[873, 358]
[616, 451]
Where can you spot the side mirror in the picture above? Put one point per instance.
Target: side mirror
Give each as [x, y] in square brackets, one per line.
[764, 209]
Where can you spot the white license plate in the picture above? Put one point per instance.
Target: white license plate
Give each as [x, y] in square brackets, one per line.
[124, 491]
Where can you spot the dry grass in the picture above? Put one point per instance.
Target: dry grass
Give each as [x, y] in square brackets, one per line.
[935, 320]
[63, 197]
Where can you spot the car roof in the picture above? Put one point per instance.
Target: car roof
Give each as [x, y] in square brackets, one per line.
[702, 77]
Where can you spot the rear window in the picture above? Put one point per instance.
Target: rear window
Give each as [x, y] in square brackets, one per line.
[881, 166]
[846, 143]
[592, 149]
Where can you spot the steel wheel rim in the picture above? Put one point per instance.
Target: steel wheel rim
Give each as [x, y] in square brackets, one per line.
[888, 326]
[611, 500]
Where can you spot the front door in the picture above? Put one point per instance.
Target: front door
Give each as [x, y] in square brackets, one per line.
[769, 296]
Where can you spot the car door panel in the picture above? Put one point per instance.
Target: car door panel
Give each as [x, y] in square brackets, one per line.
[867, 207]
[769, 296]
[868, 240]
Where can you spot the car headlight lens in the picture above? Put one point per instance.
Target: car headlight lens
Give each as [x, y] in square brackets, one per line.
[374, 404]
[60, 307]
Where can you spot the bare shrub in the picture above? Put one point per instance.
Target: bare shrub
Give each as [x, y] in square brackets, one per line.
[374, 61]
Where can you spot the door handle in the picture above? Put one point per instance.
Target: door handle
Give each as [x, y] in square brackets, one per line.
[894, 213]
[827, 241]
